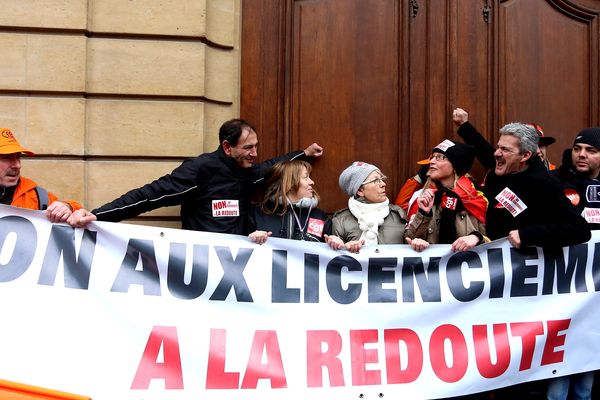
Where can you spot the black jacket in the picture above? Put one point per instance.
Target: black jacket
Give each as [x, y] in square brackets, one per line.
[549, 219]
[587, 189]
[197, 184]
[484, 151]
[285, 226]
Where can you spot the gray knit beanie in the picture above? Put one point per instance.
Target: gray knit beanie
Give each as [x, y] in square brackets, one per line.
[352, 177]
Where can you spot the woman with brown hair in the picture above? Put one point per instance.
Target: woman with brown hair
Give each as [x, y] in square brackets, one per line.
[288, 206]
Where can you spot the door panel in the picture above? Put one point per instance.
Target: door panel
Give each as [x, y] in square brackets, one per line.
[344, 86]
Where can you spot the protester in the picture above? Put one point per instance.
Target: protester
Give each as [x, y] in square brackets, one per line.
[213, 189]
[544, 142]
[526, 205]
[288, 207]
[579, 175]
[412, 184]
[369, 218]
[449, 210]
[19, 191]
[484, 150]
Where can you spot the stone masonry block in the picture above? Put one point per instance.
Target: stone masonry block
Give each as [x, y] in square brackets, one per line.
[46, 125]
[63, 14]
[42, 62]
[223, 22]
[166, 17]
[145, 67]
[151, 128]
[222, 74]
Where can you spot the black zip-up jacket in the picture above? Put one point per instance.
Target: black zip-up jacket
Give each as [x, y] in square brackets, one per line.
[196, 184]
[549, 219]
[587, 188]
[285, 226]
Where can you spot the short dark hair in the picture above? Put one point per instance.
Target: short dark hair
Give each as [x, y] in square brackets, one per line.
[232, 130]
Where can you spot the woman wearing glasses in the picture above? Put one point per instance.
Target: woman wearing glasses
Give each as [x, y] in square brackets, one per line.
[449, 209]
[288, 208]
[369, 218]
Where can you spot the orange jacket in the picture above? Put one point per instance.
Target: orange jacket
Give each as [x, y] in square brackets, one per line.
[26, 197]
[406, 191]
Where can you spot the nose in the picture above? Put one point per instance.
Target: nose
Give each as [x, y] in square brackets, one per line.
[254, 152]
[311, 182]
[497, 153]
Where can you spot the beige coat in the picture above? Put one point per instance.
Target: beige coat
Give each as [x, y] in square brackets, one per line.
[345, 226]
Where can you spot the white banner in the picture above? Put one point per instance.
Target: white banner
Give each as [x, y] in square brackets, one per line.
[121, 311]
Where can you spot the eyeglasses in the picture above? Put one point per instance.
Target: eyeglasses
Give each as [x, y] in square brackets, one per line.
[378, 181]
[438, 157]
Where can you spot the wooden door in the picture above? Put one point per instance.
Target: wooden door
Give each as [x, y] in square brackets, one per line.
[377, 80]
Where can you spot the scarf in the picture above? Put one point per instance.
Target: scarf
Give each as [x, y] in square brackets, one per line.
[472, 199]
[369, 216]
[447, 227]
[464, 196]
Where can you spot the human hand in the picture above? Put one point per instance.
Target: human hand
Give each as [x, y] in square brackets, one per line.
[314, 150]
[425, 200]
[80, 218]
[58, 211]
[459, 116]
[465, 243]
[354, 246]
[334, 242]
[417, 244]
[514, 238]
[259, 237]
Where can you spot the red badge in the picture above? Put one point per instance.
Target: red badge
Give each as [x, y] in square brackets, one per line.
[315, 227]
[449, 202]
[572, 195]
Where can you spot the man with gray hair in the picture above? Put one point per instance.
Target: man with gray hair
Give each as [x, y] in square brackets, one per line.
[525, 204]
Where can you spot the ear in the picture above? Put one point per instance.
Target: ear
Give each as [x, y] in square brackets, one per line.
[226, 147]
[360, 192]
[526, 156]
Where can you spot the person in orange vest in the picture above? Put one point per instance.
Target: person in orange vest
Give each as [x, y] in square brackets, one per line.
[19, 191]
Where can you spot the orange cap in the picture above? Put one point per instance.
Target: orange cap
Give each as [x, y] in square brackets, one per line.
[10, 145]
[424, 161]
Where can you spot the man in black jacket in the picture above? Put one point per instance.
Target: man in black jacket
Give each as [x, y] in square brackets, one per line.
[213, 189]
[580, 173]
[525, 204]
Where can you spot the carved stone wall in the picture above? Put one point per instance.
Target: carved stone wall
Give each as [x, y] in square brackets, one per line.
[111, 94]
